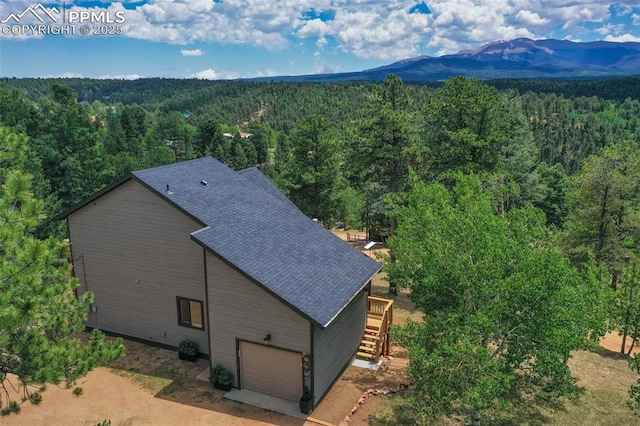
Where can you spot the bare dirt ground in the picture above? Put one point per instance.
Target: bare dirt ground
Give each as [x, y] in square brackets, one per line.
[613, 342]
[150, 386]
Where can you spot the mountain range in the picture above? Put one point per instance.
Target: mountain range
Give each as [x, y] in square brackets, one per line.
[518, 58]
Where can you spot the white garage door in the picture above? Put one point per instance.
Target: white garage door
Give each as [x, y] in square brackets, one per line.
[271, 371]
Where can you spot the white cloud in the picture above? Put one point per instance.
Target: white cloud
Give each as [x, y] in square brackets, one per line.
[208, 74]
[69, 74]
[325, 68]
[528, 17]
[120, 77]
[621, 9]
[623, 38]
[380, 32]
[610, 28]
[466, 24]
[193, 52]
[382, 29]
[322, 42]
[211, 74]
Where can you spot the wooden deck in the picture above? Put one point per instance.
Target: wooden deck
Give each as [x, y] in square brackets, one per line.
[376, 341]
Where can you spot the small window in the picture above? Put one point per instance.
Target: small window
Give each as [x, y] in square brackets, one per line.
[190, 313]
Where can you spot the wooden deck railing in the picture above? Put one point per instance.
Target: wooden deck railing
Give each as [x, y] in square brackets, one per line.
[378, 306]
[356, 238]
[376, 341]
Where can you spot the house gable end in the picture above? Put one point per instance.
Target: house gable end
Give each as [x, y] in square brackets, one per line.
[134, 252]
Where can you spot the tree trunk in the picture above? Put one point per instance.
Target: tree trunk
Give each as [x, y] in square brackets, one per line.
[602, 226]
[627, 320]
[633, 341]
[393, 289]
[395, 187]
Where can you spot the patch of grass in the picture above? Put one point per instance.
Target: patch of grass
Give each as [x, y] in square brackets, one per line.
[77, 391]
[604, 382]
[178, 384]
[398, 410]
[151, 383]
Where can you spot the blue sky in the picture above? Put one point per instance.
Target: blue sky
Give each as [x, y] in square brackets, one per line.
[226, 39]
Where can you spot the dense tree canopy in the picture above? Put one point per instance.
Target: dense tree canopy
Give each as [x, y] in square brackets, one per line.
[478, 260]
[314, 170]
[605, 214]
[503, 308]
[467, 125]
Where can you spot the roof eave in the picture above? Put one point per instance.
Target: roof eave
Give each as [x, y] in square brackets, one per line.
[362, 285]
[92, 197]
[116, 184]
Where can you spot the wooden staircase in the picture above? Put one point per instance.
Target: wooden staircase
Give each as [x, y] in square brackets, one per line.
[376, 341]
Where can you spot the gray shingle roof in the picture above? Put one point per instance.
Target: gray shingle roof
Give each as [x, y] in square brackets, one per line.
[255, 228]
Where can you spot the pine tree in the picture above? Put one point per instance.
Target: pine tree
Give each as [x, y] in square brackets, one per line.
[40, 315]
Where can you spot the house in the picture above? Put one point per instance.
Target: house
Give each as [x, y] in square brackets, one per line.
[243, 135]
[196, 250]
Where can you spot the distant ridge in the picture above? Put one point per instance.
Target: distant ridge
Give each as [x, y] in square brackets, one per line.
[518, 58]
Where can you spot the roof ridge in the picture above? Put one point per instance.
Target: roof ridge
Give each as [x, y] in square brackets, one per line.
[178, 164]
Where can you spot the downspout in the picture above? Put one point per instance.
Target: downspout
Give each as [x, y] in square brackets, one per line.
[72, 272]
[84, 272]
[312, 360]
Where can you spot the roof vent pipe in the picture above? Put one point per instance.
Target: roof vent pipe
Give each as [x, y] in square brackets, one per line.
[169, 191]
[204, 183]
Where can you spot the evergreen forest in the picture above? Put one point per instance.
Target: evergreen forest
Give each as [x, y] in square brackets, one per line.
[510, 207]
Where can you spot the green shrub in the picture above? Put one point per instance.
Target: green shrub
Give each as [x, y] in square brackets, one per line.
[220, 375]
[188, 347]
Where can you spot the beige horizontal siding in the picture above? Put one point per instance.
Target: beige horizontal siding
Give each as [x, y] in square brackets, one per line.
[240, 309]
[334, 346]
[134, 251]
